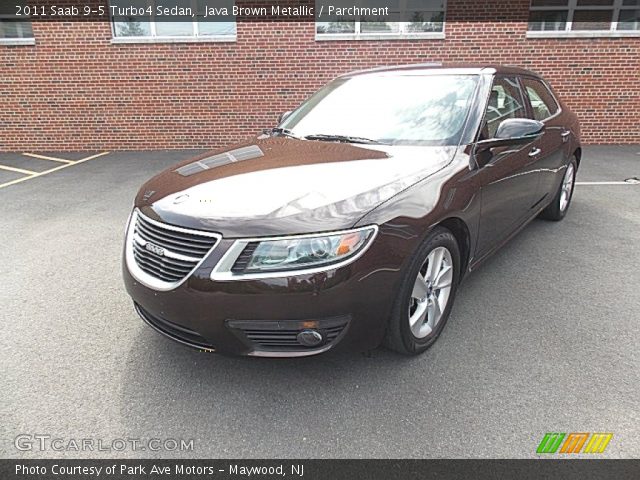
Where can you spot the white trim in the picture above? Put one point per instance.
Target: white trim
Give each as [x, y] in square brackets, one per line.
[285, 354]
[582, 33]
[17, 41]
[323, 37]
[210, 39]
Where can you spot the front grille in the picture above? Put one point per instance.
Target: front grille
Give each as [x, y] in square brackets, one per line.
[282, 336]
[167, 253]
[174, 331]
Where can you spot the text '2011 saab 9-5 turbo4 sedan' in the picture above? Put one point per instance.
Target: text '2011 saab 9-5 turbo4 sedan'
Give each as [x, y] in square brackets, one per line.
[353, 222]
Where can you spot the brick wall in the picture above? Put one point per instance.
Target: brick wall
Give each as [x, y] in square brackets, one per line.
[74, 90]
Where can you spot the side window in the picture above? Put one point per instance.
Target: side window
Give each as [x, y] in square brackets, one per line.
[542, 102]
[505, 101]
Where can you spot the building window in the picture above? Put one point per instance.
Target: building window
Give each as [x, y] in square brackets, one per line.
[420, 18]
[148, 25]
[584, 16]
[15, 31]
[15, 24]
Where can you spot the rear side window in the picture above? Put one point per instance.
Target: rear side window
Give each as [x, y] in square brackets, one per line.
[542, 101]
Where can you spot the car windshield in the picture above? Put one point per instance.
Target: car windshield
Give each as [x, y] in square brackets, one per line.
[393, 109]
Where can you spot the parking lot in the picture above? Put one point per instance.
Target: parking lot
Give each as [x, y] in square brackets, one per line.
[543, 338]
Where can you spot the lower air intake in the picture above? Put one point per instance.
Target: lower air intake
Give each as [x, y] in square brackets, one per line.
[284, 336]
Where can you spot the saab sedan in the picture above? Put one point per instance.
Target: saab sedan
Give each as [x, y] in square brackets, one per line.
[353, 222]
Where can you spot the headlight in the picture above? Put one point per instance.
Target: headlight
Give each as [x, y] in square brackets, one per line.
[292, 254]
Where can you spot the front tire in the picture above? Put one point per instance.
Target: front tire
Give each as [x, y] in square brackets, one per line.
[426, 294]
[559, 206]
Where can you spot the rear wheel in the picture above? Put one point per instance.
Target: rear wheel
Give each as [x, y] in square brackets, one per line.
[426, 294]
[558, 208]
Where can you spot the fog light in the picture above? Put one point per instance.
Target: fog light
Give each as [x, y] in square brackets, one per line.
[310, 338]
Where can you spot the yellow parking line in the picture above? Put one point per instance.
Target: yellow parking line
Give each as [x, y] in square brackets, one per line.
[39, 174]
[42, 157]
[17, 170]
[92, 157]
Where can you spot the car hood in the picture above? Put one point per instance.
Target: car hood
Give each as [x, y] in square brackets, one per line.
[283, 186]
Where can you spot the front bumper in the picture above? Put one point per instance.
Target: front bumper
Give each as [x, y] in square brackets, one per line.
[349, 306]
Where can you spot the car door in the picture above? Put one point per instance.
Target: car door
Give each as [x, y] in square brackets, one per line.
[509, 183]
[551, 157]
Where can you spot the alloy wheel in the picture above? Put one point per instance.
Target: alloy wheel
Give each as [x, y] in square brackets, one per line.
[567, 187]
[431, 291]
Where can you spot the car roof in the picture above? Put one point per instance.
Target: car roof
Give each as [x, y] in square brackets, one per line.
[440, 69]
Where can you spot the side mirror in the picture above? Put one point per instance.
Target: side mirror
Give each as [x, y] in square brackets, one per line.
[513, 131]
[284, 116]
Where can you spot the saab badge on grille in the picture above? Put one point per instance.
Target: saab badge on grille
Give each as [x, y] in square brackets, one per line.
[155, 249]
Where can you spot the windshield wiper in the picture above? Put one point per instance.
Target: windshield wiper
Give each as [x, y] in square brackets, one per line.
[285, 132]
[342, 138]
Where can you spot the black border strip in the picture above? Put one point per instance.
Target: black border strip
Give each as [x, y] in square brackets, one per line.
[306, 10]
[327, 469]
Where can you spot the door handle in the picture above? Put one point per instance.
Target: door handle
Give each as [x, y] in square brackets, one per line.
[535, 152]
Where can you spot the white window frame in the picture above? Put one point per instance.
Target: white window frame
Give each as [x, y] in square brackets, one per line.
[154, 38]
[19, 40]
[571, 8]
[401, 35]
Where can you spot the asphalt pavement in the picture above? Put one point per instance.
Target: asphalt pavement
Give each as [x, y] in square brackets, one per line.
[543, 338]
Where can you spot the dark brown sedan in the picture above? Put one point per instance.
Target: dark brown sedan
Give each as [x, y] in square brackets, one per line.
[354, 221]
